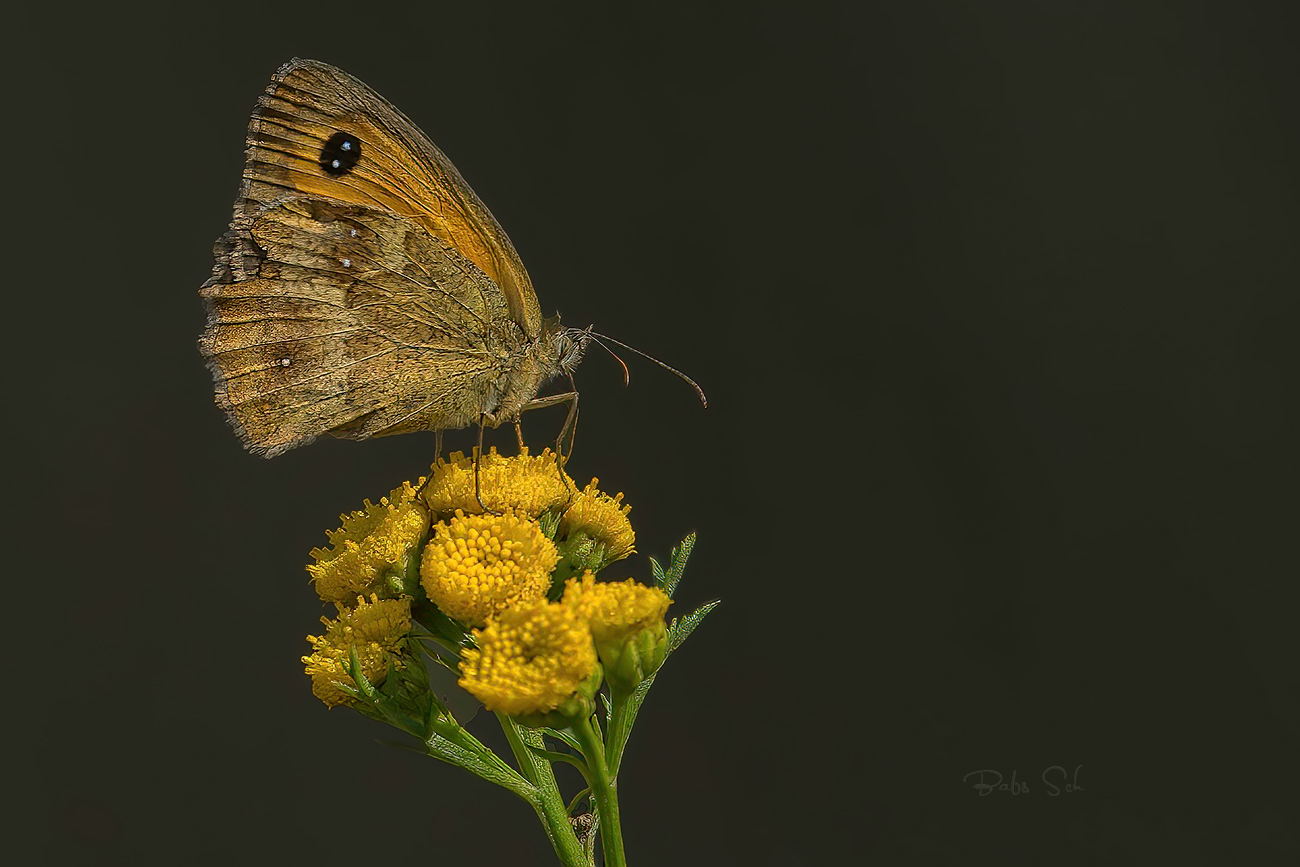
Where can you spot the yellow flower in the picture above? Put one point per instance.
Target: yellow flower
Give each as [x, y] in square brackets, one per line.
[627, 624]
[373, 550]
[615, 610]
[475, 566]
[531, 659]
[529, 485]
[604, 519]
[375, 628]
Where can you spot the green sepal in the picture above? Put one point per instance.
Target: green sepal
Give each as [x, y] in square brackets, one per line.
[403, 579]
[630, 659]
[579, 553]
[404, 698]
[549, 521]
[445, 629]
[382, 706]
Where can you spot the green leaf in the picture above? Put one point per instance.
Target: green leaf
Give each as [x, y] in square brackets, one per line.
[552, 756]
[573, 804]
[443, 626]
[680, 629]
[658, 572]
[563, 737]
[680, 554]
[493, 771]
[399, 745]
[609, 708]
[436, 651]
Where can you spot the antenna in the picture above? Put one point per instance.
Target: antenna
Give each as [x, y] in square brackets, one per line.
[695, 385]
[626, 376]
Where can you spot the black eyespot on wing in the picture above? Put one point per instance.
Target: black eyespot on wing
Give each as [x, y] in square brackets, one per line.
[340, 154]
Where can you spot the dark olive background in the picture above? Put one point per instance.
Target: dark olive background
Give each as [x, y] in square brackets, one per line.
[994, 306]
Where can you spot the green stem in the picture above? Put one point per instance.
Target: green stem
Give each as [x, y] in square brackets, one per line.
[624, 707]
[550, 805]
[611, 832]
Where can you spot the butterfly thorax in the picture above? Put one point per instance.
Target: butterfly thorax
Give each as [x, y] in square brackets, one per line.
[555, 352]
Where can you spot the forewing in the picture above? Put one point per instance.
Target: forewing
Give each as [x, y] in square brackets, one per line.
[307, 104]
[336, 318]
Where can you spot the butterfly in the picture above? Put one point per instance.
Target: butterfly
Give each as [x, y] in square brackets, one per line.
[362, 288]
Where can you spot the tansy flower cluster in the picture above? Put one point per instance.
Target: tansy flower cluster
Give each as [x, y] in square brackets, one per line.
[511, 591]
[489, 568]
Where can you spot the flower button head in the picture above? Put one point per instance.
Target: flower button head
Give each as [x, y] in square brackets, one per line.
[478, 565]
[374, 551]
[532, 660]
[527, 484]
[377, 629]
[595, 529]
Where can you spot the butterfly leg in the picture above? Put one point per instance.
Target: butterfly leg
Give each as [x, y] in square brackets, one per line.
[519, 435]
[437, 456]
[570, 423]
[478, 459]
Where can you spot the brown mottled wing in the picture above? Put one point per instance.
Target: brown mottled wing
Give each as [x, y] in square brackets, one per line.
[399, 169]
[354, 321]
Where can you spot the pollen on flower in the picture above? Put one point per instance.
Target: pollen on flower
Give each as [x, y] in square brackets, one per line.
[615, 610]
[528, 484]
[529, 659]
[376, 542]
[477, 565]
[375, 628]
[603, 518]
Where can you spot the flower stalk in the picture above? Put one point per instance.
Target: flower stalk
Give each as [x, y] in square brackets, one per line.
[549, 802]
[603, 789]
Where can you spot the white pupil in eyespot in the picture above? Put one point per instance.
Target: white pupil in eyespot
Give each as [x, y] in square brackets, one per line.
[346, 146]
[336, 163]
[347, 263]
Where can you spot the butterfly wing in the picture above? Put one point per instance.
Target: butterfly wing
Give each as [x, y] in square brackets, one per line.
[350, 320]
[304, 138]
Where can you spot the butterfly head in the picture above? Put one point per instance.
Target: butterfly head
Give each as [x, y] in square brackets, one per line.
[570, 344]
